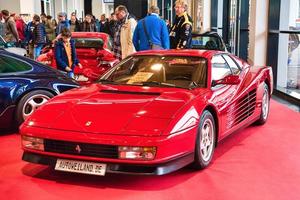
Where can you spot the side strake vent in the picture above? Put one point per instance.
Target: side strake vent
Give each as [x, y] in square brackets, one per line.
[243, 109]
[130, 92]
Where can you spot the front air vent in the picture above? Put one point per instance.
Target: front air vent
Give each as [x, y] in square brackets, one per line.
[243, 109]
[130, 92]
[81, 149]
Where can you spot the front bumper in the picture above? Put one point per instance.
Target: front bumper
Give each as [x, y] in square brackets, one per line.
[122, 168]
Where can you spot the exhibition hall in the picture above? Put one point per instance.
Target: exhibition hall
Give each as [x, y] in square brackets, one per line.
[150, 99]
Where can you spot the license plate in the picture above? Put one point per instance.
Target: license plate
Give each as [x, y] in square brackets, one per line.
[80, 167]
[80, 77]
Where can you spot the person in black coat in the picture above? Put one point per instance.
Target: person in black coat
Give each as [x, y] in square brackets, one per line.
[74, 23]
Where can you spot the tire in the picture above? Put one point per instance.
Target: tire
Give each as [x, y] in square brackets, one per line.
[205, 142]
[265, 106]
[29, 103]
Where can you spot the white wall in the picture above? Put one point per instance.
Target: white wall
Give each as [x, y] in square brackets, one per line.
[206, 15]
[258, 32]
[13, 6]
[99, 8]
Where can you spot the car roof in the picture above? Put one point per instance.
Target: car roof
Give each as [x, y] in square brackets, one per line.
[180, 52]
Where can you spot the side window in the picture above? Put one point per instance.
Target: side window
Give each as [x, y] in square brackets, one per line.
[235, 69]
[220, 68]
[11, 65]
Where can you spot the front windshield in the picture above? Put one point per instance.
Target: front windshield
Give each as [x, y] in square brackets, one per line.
[207, 43]
[162, 71]
[89, 43]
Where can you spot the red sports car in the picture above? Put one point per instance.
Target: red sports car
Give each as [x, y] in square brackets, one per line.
[93, 51]
[153, 113]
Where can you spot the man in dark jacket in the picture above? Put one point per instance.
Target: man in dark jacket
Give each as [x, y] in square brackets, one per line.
[104, 26]
[62, 23]
[74, 23]
[147, 37]
[181, 31]
[39, 36]
[89, 24]
[65, 53]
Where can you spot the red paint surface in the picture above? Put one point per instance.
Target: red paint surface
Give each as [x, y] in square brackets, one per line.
[259, 162]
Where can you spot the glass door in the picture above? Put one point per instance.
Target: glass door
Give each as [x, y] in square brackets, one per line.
[233, 33]
[236, 33]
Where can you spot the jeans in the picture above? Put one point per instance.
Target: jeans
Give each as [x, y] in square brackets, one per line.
[37, 51]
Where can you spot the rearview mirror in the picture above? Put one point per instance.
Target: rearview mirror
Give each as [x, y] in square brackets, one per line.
[227, 80]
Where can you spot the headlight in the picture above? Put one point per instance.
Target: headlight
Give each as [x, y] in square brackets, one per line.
[33, 143]
[137, 153]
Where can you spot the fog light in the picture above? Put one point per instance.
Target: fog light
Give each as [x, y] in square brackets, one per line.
[33, 143]
[137, 153]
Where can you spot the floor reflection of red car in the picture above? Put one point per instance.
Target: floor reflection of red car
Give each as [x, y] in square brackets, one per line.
[93, 51]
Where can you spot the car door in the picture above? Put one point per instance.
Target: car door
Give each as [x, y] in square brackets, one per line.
[223, 95]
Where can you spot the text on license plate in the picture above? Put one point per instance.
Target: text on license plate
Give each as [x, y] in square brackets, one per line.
[80, 167]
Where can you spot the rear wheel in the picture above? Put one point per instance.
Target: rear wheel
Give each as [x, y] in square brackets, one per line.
[29, 103]
[205, 143]
[265, 106]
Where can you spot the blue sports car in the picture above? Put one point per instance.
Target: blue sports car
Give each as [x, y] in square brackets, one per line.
[24, 86]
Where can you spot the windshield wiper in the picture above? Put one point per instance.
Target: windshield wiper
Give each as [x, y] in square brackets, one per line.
[106, 81]
[155, 83]
[193, 84]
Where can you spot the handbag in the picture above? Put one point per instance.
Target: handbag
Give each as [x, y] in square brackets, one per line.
[152, 46]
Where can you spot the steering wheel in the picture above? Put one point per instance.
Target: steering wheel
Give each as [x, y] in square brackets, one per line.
[181, 78]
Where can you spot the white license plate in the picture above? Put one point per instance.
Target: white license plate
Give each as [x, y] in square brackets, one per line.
[80, 77]
[80, 167]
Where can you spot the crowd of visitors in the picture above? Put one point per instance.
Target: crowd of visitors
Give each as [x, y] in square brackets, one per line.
[128, 33]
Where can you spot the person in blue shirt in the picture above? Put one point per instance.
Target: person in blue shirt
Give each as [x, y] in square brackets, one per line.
[158, 35]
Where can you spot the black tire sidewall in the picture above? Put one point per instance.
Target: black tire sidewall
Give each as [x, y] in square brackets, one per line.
[20, 105]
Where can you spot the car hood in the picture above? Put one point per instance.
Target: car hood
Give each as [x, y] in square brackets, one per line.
[110, 109]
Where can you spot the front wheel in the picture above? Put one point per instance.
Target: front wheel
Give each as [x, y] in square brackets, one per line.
[29, 103]
[205, 142]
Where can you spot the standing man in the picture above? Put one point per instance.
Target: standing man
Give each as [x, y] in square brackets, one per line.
[62, 23]
[181, 31]
[104, 26]
[123, 45]
[151, 32]
[11, 33]
[89, 25]
[112, 25]
[39, 36]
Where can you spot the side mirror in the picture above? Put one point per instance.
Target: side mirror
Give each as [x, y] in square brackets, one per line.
[227, 80]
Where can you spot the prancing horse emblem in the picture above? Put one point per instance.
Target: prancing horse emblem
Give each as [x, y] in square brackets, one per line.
[88, 123]
[78, 149]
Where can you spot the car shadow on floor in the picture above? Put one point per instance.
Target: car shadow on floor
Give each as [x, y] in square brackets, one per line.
[117, 181]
